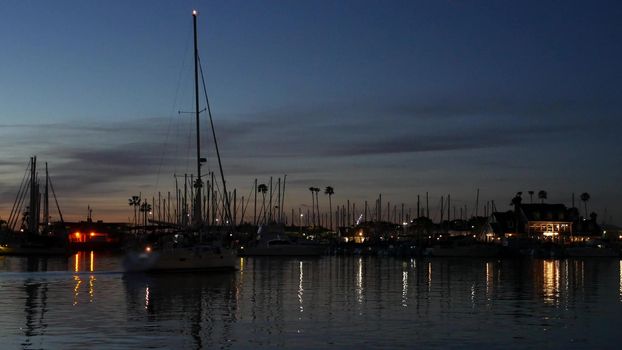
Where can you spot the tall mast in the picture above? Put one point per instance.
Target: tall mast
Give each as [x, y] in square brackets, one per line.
[33, 215]
[197, 217]
[46, 202]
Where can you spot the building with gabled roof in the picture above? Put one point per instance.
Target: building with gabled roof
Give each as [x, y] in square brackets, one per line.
[547, 221]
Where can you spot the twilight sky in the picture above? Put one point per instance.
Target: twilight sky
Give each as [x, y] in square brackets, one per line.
[369, 97]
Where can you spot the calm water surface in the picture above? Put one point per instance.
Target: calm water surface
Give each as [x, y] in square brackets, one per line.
[330, 302]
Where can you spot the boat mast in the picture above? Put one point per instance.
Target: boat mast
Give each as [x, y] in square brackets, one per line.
[33, 215]
[197, 216]
[46, 203]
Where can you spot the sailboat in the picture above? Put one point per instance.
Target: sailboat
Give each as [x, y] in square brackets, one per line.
[34, 236]
[190, 249]
[271, 240]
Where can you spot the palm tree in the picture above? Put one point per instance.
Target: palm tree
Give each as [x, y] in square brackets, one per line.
[585, 197]
[312, 189]
[516, 202]
[330, 191]
[542, 195]
[145, 208]
[263, 189]
[317, 204]
[530, 196]
[134, 202]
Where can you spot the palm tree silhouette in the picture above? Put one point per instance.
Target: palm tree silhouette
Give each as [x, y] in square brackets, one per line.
[330, 191]
[134, 201]
[516, 202]
[263, 189]
[585, 197]
[530, 196]
[145, 208]
[317, 204]
[542, 195]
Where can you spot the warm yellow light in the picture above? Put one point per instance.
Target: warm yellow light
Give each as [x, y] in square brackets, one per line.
[148, 249]
[92, 234]
[92, 262]
[77, 234]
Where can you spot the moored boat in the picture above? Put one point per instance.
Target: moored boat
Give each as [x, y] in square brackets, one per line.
[36, 234]
[272, 241]
[178, 254]
[190, 248]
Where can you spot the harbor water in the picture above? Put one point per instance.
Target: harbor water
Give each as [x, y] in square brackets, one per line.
[86, 302]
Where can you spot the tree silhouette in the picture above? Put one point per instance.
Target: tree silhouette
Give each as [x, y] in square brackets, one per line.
[516, 202]
[542, 195]
[530, 196]
[263, 189]
[330, 191]
[145, 208]
[317, 204]
[584, 198]
[312, 189]
[134, 201]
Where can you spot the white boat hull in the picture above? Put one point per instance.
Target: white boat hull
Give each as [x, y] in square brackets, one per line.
[191, 258]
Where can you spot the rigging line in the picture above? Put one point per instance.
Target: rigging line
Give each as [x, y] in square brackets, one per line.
[56, 201]
[175, 100]
[222, 174]
[245, 207]
[19, 208]
[22, 197]
[15, 208]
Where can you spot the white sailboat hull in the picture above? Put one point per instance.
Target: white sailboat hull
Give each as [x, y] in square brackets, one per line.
[187, 258]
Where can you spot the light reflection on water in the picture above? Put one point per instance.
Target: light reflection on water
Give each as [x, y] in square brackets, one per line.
[550, 286]
[330, 302]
